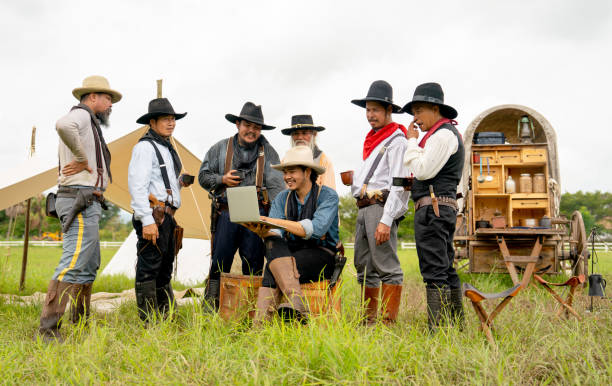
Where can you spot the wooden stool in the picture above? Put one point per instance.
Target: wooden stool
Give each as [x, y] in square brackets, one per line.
[572, 282]
[476, 297]
[320, 299]
[238, 295]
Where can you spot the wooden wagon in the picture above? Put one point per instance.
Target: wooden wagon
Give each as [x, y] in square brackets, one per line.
[515, 241]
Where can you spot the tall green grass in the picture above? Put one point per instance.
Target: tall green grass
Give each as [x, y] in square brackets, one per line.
[534, 346]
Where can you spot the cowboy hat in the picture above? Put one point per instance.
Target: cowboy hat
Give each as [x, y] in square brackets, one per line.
[301, 122]
[252, 113]
[431, 93]
[380, 91]
[299, 156]
[96, 83]
[157, 108]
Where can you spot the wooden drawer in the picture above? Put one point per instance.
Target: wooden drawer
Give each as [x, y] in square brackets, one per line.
[533, 155]
[509, 157]
[530, 203]
[493, 186]
[483, 156]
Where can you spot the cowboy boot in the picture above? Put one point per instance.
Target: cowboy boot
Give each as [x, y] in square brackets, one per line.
[165, 299]
[391, 299]
[146, 300]
[437, 300]
[267, 302]
[211, 296]
[80, 299]
[286, 276]
[58, 295]
[370, 302]
[456, 307]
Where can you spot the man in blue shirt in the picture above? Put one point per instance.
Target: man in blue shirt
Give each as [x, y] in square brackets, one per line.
[305, 250]
[153, 177]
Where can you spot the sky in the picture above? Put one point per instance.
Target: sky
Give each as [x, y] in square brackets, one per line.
[310, 57]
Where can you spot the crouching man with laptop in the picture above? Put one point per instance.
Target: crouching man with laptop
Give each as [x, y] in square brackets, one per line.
[300, 236]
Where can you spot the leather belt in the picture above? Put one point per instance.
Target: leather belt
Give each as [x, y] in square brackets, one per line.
[446, 201]
[380, 199]
[68, 192]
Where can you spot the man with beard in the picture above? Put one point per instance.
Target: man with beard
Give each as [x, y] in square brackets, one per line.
[437, 164]
[84, 173]
[381, 205]
[241, 160]
[304, 132]
[154, 183]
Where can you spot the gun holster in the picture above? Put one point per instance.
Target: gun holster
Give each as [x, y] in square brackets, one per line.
[50, 205]
[83, 198]
[340, 261]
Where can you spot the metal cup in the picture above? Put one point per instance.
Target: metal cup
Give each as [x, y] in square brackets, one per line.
[597, 285]
[347, 177]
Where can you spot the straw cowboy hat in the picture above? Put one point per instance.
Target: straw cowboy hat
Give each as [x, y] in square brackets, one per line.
[431, 93]
[252, 113]
[96, 83]
[299, 156]
[380, 91]
[157, 108]
[301, 122]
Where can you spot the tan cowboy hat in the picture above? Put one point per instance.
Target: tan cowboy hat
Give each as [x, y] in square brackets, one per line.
[299, 156]
[96, 83]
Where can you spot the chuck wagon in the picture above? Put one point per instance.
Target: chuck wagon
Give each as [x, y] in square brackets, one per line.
[511, 186]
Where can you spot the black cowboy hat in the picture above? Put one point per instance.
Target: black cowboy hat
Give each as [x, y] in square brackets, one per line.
[157, 108]
[301, 122]
[252, 113]
[380, 91]
[431, 93]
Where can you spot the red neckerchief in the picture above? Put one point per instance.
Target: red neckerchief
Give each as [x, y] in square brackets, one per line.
[375, 137]
[435, 127]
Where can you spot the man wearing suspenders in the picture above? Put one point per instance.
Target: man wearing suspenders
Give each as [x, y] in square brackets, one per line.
[154, 183]
[241, 160]
[380, 204]
[84, 162]
[437, 163]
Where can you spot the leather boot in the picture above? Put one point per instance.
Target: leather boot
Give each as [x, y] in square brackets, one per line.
[456, 307]
[58, 295]
[286, 276]
[211, 296]
[391, 300]
[146, 300]
[80, 300]
[165, 299]
[437, 299]
[370, 302]
[267, 302]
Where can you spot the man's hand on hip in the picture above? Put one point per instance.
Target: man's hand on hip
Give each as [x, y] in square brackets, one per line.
[75, 167]
[382, 234]
[150, 232]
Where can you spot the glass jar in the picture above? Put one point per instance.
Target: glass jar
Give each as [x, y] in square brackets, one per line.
[510, 185]
[539, 183]
[525, 183]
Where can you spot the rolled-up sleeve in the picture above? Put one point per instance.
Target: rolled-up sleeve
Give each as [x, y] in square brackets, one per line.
[139, 178]
[277, 210]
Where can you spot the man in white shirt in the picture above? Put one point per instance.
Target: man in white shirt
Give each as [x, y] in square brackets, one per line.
[437, 164]
[381, 205]
[154, 183]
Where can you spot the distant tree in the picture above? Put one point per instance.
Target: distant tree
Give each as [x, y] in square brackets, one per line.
[596, 208]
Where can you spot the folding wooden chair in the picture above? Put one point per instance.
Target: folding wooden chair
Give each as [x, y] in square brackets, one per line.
[486, 320]
[572, 282]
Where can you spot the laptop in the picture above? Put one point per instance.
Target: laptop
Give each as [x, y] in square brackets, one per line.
[243, 206]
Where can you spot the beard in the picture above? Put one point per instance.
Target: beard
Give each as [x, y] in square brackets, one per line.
[300, 142]
[104, 117]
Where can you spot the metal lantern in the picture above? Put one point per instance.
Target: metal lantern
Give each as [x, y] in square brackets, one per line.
[525, 130]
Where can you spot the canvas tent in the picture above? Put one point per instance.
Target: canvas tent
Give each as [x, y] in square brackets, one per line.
[37, 175]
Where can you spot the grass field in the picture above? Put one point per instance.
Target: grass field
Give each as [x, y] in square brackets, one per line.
[534, 347]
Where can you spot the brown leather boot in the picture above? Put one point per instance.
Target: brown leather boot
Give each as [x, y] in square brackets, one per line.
[391, 299]
[267, 302]
[286, 276]
[58, 295]
[370, 301]
[80, 299]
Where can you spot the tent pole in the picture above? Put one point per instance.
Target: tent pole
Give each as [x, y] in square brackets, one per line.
[26, 239]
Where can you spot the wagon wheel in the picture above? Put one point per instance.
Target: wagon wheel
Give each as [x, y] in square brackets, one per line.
[579, 249]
